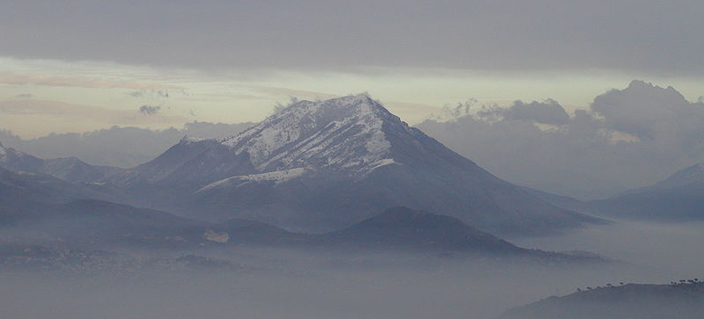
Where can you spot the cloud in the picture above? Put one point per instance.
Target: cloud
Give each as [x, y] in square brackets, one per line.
[643, 108]
[411, 112]
[627, 138]
[149, 93]
[10, 78]
[281, 91]
[32, 117]
[149, 109]
[547, 112]
[643, 35]
[24, 96]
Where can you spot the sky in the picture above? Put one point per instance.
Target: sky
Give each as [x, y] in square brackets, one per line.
[628, 138]
[75, 66]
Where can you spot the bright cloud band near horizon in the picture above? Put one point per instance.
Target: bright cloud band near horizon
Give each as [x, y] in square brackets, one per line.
[77, 65]
[39, 97]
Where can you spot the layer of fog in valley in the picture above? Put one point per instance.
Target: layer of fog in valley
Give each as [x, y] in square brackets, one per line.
[665, 251]
[298, 283]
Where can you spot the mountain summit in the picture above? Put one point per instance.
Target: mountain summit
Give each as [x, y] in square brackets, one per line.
[328, 164]
[349, 133]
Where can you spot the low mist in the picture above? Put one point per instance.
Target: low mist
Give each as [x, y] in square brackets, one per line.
[292, 283]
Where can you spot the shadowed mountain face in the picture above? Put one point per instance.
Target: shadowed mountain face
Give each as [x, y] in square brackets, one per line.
[18, 192]
[36, 207]
[326, 165]
[21, 191]
[678, 198]
[681, 301]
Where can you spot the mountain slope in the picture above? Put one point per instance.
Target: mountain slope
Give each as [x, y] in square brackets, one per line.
[557, 200]
[683, 177]
[678, 198]
[325, 165]
[27, 195]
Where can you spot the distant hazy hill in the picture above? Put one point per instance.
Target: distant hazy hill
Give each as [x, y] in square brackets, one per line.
[632, 301]
[678, 198]
[118, 146]
[69, 169]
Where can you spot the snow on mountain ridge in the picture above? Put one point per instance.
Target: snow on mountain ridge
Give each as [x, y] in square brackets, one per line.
[186, 139]
[345, 132]
[276, 176]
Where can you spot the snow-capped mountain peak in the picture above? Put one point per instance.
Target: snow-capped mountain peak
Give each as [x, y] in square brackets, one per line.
[326, 164]
[186, 139]
[344, 133]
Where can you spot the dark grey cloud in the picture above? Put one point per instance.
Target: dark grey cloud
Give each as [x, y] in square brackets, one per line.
[642, 109]
[628, 138]
[645, 35]
[149, 109]
[547, 112]
[149, 93]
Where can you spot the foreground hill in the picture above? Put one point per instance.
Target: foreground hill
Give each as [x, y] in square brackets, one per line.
[405, 228]
[318, 166]
[632, 301]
